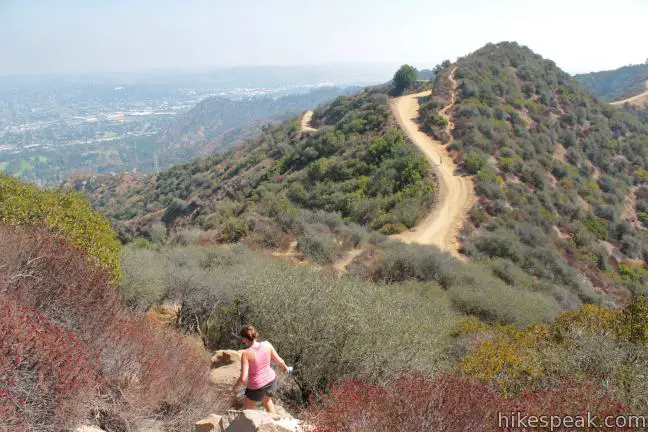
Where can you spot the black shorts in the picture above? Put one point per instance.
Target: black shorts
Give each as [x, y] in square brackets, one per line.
[267, 390]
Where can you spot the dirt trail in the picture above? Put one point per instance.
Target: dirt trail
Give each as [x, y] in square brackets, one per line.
[341, 264]
[640, 100]
[455, 195]
[305, 122]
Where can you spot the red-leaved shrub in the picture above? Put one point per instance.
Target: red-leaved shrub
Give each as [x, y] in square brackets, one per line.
[68, 350]
[448, 403]
[410, 402]
[45, 370]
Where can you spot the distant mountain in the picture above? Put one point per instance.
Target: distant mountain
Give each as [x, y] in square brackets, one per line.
[217, 123]
[426, 74]
[616, 84]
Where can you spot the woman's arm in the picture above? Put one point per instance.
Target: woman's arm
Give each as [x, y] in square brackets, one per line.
[245, 367]
[278, 360]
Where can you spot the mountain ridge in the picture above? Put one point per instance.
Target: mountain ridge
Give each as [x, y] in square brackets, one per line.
[553, 167]
[617, 84]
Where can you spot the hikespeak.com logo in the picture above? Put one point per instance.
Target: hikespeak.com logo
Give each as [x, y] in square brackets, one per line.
[517, 420]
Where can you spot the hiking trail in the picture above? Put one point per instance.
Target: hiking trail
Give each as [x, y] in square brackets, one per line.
[455, 194]
[305, 122]
[640, 100]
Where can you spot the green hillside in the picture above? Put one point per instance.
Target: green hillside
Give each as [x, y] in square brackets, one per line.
[558, 174]
[359, 165]
[616, 84]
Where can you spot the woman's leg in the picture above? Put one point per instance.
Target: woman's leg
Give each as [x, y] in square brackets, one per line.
[249, 403]
[268, 404]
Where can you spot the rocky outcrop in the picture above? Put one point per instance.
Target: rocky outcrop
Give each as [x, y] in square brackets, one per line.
[226, 367]
[248, 421]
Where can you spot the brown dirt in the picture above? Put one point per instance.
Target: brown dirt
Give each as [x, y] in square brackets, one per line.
[341, 264]
[455, 195]
[640, 100]
[629, 212]
[305, 122]
[559, 153]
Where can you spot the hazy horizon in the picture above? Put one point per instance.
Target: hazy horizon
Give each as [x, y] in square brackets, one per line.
[143, 36]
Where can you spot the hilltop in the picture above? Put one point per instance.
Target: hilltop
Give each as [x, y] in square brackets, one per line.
[618, 84]
[560, 177]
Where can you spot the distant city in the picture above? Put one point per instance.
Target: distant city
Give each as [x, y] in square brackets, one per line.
[53, 126]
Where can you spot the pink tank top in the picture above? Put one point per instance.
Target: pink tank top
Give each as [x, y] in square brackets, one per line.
[260, 373]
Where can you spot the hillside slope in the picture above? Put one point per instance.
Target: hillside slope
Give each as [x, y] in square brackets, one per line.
[554, 169]
[358, 164]
[640, 100]
[217, 123]
[617, 84]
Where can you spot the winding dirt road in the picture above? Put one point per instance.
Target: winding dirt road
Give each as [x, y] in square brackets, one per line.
[305, 122]
[455, 196]
[640, 100]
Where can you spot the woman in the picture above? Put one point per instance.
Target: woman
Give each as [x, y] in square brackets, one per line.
[256, 370]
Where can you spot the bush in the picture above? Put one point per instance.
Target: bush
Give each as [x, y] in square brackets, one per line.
[267, 233]
[64, 213]
[144, 278]
[48, 376]
[400, 262]
[474, 160]
[471, 288]
[186, 237]
[407, 402]
[353, 235]
[320, 247]
[301, 311]
[589, 346]
[448, 403]
[60, 299]
[233, 229]
[477, 293]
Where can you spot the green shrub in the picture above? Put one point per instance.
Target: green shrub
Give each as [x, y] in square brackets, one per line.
[318, 246]
[144, 282]
[334, 321]
[597, 226]
[401, 262]
[392, 228]
[474, 160]
[65, 213]
[475, 293]
[233, 229]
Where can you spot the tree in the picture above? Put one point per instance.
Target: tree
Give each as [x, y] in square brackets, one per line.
[444, 65]
[404, 77]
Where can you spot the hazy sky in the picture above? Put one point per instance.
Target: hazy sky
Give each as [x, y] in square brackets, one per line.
[44, 36]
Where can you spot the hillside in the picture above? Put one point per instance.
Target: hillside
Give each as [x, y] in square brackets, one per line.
[560, 177]
[546, 314]
[358, 164]
[217, 123]
[617, 84]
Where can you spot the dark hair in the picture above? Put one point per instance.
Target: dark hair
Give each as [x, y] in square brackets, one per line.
[249, 332]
